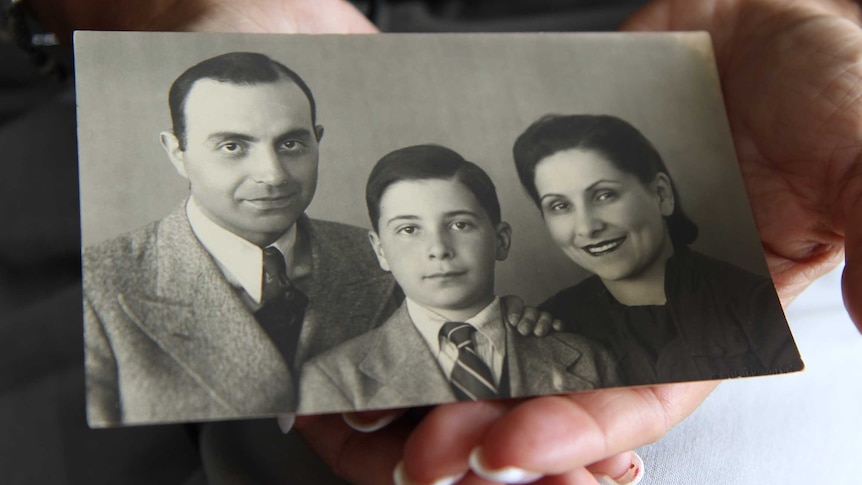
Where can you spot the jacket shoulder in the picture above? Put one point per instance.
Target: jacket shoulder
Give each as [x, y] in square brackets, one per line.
[338, 234]
[549, 344]
[345, 358]
[577, 341]
[345, 242]
[121, 262]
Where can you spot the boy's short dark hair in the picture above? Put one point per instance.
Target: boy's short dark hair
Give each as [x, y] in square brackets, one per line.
[423, 162]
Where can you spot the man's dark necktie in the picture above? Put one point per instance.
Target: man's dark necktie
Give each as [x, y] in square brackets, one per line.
[283, 306]
[471, 378]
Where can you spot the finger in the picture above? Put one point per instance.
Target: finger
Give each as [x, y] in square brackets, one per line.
[325, 17]
[626, 468]
[514, 308]
[664, 15]
[558, 325]
[851, 279]
[578, 476]
[370, 421]
[528, 321]
[468, 478]
[440, 446]
[557, 434]
[361, 458]
[506, 474]
[543, 326]
[851, 286]
[287, 16]
[400, 477]
[652, 16]
[301, 422]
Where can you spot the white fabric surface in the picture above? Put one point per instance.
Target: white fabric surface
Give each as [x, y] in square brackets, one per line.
[803, 428]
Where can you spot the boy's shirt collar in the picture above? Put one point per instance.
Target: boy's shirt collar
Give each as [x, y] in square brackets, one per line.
[489, 340]
[240, 260]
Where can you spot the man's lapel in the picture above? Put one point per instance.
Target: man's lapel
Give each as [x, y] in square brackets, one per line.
[542, 365]
[403, 365]
[198, 319]
[347, 291]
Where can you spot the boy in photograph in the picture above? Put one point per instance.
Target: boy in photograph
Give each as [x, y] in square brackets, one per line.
[437, 229]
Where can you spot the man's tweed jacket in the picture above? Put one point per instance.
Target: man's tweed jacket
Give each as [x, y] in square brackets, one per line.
[168, 338]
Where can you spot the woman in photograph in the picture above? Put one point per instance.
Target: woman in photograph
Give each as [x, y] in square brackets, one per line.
[667, 312]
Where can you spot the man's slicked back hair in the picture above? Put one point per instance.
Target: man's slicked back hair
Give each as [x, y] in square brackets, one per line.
[240, 68]
[429, 162]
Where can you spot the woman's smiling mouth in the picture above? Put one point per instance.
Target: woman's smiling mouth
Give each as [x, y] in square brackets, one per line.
[604, 247]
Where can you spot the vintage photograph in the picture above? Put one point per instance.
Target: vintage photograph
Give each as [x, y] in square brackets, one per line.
[315, 224]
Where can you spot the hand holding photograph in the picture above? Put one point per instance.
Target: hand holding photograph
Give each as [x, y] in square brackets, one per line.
[231, 269]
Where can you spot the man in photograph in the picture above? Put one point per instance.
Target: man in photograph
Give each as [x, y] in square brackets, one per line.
[208, 312]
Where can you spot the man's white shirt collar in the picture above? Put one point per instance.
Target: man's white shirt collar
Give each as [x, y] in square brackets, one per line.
[240, 260]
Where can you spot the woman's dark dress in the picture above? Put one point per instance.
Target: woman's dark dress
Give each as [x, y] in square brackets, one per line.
[719, 321]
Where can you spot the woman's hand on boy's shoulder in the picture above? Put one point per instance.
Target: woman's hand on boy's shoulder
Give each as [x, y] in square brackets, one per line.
[527, 319]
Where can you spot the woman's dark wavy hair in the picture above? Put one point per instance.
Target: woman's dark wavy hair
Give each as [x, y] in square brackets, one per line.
[616, 140]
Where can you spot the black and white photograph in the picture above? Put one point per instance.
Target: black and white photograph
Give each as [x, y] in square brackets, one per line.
[326, 223]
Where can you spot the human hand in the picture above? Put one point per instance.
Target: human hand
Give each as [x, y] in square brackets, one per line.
[262, 16]
[527, 319]
[589, 426]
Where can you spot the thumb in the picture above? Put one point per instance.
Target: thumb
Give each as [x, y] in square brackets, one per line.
[655, 15]
[322, 17]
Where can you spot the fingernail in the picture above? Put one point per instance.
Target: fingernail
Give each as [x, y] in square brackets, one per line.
[363, 426]
[285, 422]
[632, 476]
[399, 476]
[509, 474]
[514, 318]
